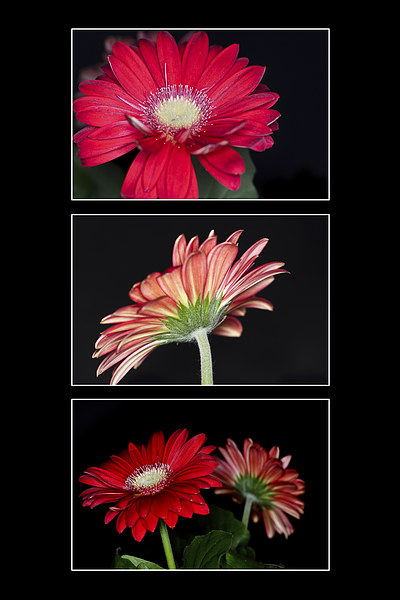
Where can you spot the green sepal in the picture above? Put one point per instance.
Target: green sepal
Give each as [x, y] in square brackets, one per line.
[203, 314]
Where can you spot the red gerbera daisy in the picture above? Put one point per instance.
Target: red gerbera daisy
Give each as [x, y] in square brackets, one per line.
[174, 102]
[263, 481]
[160, 481]
[202, 292]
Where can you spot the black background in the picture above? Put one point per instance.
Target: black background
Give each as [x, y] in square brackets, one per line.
[298, 427]
[296, 62]
[286, 346]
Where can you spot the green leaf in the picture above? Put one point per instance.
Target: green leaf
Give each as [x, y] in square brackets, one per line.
[102, 181]
[132, 562]
[220, 518]
[211, 188]
[206, 551]
[237, 561]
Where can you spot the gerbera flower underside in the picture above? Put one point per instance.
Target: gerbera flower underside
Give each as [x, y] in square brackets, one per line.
[204, 289]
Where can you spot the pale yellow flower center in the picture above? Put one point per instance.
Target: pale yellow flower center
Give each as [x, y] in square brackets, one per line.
[178, 113]
[149, 479]
[175, 108]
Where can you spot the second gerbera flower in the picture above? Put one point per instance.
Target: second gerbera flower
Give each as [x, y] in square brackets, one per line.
[263, 481]
[203, 291]
[173, 103]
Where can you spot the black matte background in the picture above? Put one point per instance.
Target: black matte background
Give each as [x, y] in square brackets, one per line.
[286, 346]
[296, 62]
[298, 427]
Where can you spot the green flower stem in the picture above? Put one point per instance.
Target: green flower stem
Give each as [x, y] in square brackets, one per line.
[247, 509]
[205, 356]
[167, 545]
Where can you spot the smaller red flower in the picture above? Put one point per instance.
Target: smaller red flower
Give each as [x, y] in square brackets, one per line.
[160, 481]
[265, 478]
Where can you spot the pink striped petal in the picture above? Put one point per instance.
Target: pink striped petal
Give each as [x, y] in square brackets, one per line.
[178, 252]
[162, 307]
[149, 287]
[247, 259]
[260, 303]
[171, 284]
[219, 262]
[194, 274]
[230, 327]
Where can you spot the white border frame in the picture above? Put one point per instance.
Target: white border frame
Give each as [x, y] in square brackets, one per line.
[327, 29]
[73, 215]
[213, 400]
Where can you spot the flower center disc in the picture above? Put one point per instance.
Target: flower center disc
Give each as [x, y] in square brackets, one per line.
[178, 113]
[174, 108]
[149, 479]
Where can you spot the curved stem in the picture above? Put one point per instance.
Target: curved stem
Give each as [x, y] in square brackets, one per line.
[167, 545]
[205, 356]
[246, 511]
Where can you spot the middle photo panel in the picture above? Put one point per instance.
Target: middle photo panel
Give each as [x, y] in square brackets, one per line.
[200, 300]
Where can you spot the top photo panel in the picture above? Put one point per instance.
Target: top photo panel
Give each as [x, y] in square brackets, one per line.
[200, 114]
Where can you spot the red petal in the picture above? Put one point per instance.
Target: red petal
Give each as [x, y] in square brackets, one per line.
[168, 56]
[194, 58]
[155, 447]
[226, 160]
[133, 174]
[171, 519]
[218, 67]
[127, 78]
[188, 451]
[138, 531]
[239, 84]
[135, 63]
[159, 505]
[154, 167]
[143, 505]
[174, 443]
[92, 159]
[149, 54]
[177, 175]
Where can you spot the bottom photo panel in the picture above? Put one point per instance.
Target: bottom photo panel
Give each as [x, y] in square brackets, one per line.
[188, 484]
